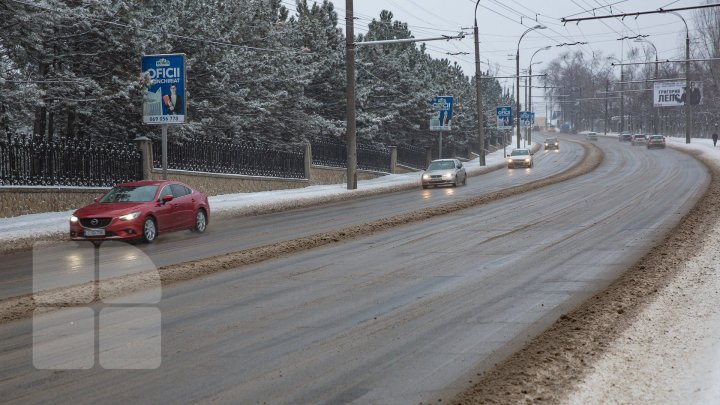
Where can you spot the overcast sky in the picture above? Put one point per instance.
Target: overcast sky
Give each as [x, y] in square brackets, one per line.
[502, 22]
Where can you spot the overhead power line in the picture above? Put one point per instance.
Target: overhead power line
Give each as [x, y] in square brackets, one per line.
[637, 13]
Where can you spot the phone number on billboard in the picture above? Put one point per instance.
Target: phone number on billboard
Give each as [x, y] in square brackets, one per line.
[163, 118]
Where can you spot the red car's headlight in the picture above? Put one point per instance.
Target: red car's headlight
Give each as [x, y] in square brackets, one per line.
[130, 216]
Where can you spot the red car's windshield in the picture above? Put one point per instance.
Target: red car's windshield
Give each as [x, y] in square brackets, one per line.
[130, 194]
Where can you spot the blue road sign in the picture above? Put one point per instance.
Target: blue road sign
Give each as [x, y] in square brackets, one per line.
[504, 117]
[164, 101]
[526, 119]
[442, 113]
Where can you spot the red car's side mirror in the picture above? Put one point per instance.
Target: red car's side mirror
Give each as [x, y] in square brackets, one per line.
[167, 198]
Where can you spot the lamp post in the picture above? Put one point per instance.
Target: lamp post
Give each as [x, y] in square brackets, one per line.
[517, 71]
[688, 110]
[657, 109]
[622, 95]
[530, 86]
[481, 123]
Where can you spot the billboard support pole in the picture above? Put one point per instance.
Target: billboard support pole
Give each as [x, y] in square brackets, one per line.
[164, 152]
[440, 145]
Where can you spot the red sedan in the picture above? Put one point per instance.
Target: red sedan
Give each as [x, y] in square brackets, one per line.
[141, 210]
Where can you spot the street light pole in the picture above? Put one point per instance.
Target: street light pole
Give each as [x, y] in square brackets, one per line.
[607, 94]
[481, 121]
[688, 109]
[517, 81]
[622, 94]
[657, 109]
[529, 132]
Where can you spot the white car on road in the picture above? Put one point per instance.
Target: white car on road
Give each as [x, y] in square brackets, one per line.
[520, 157]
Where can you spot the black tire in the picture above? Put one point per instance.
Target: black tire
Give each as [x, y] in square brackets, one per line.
[149, 231]
[465, 180]
[200, 221]
[425, 187]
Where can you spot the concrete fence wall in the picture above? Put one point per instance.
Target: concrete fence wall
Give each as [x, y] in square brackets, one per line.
[16, 201]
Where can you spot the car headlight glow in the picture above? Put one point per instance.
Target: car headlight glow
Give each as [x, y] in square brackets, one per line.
[130, 216]
[73, 219]
[527, 159]
[425, 177]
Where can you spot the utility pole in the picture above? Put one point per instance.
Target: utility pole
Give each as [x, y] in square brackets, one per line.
[350, 44]
[351, 136]
[481, 121]
[607, 94]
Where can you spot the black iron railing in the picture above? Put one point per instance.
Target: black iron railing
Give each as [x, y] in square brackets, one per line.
[219, 156]
[412, 156]
[371, 157]
[334, 154]
[66, 162]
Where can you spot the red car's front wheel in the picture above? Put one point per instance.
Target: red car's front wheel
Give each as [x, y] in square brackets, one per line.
[200, 221]
[149, 230]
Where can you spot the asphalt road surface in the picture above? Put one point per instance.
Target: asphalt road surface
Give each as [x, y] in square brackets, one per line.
[234, 234]
[403, 316]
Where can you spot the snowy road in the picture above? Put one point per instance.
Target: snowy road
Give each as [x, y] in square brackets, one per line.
[397, 317]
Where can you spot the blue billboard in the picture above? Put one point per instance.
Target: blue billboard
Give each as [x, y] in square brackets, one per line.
[442, 113]
[164, 101]
[504, 116]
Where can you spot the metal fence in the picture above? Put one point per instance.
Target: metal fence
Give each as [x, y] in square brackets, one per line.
[374, 158]
[25, 161]
[218, 156]
[334, 154]
[412, 156]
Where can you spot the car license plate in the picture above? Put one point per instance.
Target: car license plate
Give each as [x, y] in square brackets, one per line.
[94, 232]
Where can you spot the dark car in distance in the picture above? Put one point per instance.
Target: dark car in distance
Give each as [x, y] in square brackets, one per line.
[552, 143]
[140, 211]
[625, 137]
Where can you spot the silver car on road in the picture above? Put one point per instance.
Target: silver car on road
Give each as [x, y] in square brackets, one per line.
[444, 171]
